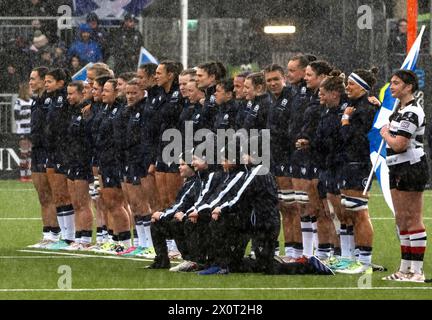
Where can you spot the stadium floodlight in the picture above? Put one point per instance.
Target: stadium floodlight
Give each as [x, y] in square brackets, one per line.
[279, 29]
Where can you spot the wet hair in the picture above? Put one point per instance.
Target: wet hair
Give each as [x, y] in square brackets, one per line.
[370, 76]
[243, 74]
[133, 82]
[100, 70]
[173, 67]
[113, 82]
[79, 85]
[274, 68]
[149, 68]
[188, 72]
[214, 68]
[408, 77]
[60, 75]
[321, 67]
[24, 92]
[41, 71]
[257, 79]
[334, 82]
[227, 85]
[127, 76]
[304, 59]
[103, 79]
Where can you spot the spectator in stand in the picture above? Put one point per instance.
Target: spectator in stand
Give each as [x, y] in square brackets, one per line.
[10, 78]
[42, 8]
[397, 44]
[85, 48]
[18, 51]
[60, 60]
[35, 8]
[98, 34]
[46, 58]
[39, 41]
[74, 65]
[126, 45]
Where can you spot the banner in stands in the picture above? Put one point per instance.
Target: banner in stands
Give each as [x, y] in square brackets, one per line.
[9, 156]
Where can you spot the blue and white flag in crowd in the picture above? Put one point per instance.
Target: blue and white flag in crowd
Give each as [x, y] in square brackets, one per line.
[382, 118]
[82, 74]
[109, 8]
[146, 57]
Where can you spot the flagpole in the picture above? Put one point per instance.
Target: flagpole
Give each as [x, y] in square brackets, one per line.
[373, 168]
[184, 32]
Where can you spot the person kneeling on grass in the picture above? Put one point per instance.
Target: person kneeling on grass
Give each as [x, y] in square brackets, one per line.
[257, 198]
[173, 221]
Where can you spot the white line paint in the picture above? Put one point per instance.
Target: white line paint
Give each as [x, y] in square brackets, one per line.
[221, 289]
[38, 257]
[20, 219]
[66, 254]
[85, 255]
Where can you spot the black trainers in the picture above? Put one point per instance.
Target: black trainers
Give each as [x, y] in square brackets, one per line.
[160, 264]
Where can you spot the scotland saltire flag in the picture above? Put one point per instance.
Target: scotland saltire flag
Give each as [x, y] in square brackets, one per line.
[146, 57]
[110, 8]
[82, 74]
[382, 118]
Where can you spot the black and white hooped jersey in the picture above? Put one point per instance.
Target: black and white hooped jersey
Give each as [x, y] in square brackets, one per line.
[410, 123]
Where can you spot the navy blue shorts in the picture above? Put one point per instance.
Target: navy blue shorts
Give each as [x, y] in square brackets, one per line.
[111, 176]
[165, 168]
[59, 162]
[38, 161]
[354, 176]
[280, 169]
[135, 173]
[329, 181]
[410, 177]
[80, 173]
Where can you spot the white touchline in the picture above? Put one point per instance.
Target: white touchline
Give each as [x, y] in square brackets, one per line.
[65, 254]
[38, 257]
[217, 289]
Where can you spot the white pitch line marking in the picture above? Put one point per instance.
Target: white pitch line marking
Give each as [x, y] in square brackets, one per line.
[219, 289]
[86, 255]
[65, 254]
[38, 257]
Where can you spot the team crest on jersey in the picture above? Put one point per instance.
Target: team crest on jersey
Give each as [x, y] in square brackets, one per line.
[47, 101]
[303, 90]
[284, 102]
[344, 106]
[256, 109]
[226, 117]
[138, 115]
[79, 118]
[154, 100]
[197, 116]
[175, 94]
[60, 99]
[212, 99]
[114, 111]
[249, 105]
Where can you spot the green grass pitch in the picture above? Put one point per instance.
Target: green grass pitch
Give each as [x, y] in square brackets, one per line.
[35, 275]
